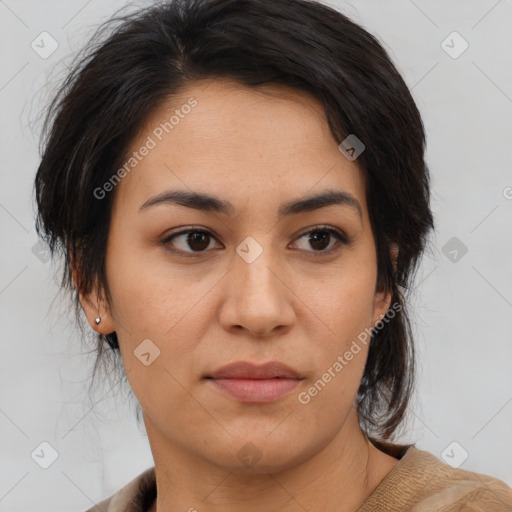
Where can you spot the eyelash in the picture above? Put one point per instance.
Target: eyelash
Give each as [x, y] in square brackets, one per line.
[339, 235]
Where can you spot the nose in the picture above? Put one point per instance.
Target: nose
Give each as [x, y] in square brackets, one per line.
[257, 298]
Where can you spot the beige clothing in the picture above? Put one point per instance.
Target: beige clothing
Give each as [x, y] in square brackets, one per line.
[419, 482]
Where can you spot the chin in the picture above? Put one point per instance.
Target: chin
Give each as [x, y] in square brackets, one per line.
[260, 453]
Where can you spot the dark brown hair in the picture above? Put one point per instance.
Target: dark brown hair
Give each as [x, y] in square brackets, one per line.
[137, 61]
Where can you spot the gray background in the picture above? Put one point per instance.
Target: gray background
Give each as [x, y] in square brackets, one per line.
[463, 303]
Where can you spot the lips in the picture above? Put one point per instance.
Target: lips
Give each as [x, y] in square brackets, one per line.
[245, 370]
[255, 384]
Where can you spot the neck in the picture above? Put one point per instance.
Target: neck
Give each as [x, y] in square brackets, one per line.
[338, 478]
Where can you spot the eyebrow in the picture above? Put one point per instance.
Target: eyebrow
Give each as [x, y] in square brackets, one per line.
[207, 202]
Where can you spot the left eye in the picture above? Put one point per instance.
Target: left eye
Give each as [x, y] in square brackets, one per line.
[322, 239]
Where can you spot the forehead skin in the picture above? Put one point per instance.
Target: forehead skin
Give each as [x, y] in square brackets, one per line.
[273, 140]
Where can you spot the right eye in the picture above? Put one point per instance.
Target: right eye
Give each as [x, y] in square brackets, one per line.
[189, 241]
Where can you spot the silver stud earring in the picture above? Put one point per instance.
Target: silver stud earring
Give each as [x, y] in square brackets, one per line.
[97, 321]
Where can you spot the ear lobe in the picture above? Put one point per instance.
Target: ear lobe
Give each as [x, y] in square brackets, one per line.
[381, 305]
[382, 300]
[94, 306]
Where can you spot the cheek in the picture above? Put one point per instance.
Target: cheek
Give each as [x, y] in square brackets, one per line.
[340, 352]
[145, 307]
[152, 300]
[340, 314]
[344, 302]
[152, 314]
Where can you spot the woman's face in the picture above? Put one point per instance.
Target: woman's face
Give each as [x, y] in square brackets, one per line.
[256, 283]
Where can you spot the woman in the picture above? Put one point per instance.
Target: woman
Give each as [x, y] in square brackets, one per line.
[240, 192]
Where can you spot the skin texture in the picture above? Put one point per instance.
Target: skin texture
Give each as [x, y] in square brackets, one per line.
[256, 148]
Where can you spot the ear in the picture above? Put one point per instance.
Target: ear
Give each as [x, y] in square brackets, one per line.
[382, 300]
[95, 306]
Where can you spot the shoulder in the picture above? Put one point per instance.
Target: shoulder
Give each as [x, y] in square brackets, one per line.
[136, 496]
[421, 482]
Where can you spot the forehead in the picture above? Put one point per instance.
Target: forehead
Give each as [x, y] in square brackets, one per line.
[262, 143]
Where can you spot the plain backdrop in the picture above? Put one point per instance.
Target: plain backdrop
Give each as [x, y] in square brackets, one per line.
[462, 306]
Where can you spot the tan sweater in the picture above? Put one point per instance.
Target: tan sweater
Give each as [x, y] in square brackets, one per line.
[419, 482]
